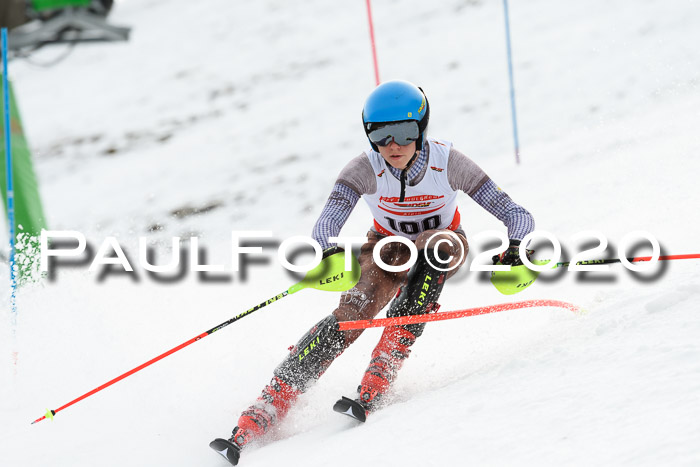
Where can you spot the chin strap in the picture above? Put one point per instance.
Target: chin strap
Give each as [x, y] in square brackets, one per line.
[403, 177]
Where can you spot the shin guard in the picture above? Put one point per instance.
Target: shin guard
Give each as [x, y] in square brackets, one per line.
[312, 355]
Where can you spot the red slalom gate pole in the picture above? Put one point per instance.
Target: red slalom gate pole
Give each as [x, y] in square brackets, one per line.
[371, 38]
[375, 323]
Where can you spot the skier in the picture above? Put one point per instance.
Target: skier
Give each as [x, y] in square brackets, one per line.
[410, 183]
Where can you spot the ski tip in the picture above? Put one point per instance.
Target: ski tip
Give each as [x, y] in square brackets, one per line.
[350, 408]
[227, 450]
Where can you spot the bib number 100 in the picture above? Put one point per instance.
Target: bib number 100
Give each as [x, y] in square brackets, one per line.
[411, 227]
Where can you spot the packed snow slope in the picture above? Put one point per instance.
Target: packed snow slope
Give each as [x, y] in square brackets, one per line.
[220, 116]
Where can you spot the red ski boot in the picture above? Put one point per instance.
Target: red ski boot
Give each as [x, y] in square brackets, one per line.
[273, 403]
[419, 296]
[387, 359]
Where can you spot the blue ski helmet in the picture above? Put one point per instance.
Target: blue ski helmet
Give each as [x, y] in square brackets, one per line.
[396, 101]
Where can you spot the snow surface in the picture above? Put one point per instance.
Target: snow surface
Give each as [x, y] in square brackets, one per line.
[248, 110]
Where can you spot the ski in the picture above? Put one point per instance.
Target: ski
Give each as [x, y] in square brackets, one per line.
[351, 408]
[227, 449]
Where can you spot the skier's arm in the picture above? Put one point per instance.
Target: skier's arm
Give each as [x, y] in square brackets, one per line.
[356, 179]
[340, 204]
[464, 174]
[496, 201]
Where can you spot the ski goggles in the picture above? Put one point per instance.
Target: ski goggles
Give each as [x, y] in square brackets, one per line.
[402, 133]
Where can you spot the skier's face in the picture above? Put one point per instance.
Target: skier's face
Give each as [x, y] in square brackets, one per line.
[397, 156]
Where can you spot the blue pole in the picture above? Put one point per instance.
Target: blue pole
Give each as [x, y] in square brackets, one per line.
[8, 173]
[512, 86]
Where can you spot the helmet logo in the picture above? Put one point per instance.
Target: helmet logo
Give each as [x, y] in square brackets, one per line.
[410, 114]
[422, 105]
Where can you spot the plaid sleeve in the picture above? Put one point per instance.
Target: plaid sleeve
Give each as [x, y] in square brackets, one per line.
[515, 217]
[340, 204]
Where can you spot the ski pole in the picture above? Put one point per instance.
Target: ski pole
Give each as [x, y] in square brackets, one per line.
[412, 319]
[329, 275]
[520, 277]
